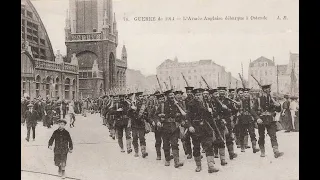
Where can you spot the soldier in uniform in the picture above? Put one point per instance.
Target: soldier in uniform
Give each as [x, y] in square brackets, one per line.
[214, 95]
[186, 140]
[49, 114]
[236, 119]
[199, 118]
[138, 115]
[110, 118]
[265, 121]
[246, 120]
[169, 118]
[122, 122]
[224, 110]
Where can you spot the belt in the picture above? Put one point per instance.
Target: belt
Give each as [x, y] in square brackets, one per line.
[197, 121]
[246, 113]
[266, 114]
[169, 120]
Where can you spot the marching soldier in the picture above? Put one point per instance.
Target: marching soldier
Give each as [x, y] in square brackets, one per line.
[216, 145]
[186, 140]
[199, 118]
[265, 120]
[169, 119]
[122, 122]
[246, 120]
[224, 110]
[138, 116]
[236, 119]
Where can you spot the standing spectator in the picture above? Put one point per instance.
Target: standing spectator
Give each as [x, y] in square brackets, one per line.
[31, 117]
[64, 108]
[294, 108]
[63, 145]
[72, 114]
[286, 115]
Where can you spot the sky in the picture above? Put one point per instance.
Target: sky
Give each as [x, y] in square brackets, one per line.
[227, 42]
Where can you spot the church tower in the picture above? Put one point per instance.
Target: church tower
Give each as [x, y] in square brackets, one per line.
[91, 33]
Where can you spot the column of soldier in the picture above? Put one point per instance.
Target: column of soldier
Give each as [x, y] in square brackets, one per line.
[211, 118]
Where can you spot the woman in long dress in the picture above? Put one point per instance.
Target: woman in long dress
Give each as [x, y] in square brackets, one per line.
[286, 117]
[294, 108]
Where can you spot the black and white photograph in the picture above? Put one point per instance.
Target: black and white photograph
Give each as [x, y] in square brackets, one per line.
[159, 90]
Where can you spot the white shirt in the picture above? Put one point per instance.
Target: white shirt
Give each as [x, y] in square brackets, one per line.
[71, 109]
[294, 106]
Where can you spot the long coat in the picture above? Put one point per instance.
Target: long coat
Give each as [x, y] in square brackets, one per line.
[31, 118]
[286, 120]
[63, 141]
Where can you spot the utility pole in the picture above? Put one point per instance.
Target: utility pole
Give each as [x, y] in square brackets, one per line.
[218, 79]
[277, 80]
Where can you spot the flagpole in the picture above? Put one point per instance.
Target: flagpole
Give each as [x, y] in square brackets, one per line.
[277, 80]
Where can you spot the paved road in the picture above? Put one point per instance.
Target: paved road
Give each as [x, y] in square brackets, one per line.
[97, 157]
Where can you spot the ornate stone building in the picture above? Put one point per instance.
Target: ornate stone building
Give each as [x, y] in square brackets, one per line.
[42, 72]
[91, 34]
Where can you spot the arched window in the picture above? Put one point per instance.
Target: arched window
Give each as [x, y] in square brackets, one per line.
[74, 85]
[48, 85]
[67, 88]
[38, 81]
[57, 85]
[23, 85]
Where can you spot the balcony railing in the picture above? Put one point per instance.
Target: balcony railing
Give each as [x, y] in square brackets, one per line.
[53, 66]
[85, 36]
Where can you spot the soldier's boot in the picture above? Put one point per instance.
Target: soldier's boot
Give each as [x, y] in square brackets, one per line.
[198, 163]
[136, 151]
[143, 151]
[263, 151]
[232, 154]
[167, 163]
[211, 168]
[120, 142]
[243, 148]
[254, 147]
[246, 139]
[177, 163]
[276, 152]
[158, 153]
[189, 156]
[112, 132]
[216, 152]
[63, 174]
[60, 171]
[129, 149]
[222, 153]
[203, 151]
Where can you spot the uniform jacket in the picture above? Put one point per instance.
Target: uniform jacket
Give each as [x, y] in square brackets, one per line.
[247, 112]
[266, 105]
[136, 121]
[31, 118]
[121, 117]
[172, 116]
[63, 141]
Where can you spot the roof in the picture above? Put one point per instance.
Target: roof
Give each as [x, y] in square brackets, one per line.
[262, 59]
[282, 69]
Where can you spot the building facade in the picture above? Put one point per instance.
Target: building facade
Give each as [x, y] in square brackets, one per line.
[284, 78]
[91, 34]
[214, 74]
[42, 72]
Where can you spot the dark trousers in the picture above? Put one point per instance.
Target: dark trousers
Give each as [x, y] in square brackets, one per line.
[271, 129]
[186, 141]
[244, 129]
[236, 131]
[229, 137]
[120, 130]
[170, 140]
[60, 160]
[72, 118]
[158, 137]
[64, 111]
[138, 133]
[207, 144]
[33, 132]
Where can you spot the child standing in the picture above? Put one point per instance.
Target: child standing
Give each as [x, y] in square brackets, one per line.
[63, 145]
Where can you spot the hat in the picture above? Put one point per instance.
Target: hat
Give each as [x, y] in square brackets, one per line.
[230, 90]
[168, 92]
[239, 89]
[62, 120]
[30, 105]
[139, 93]
[159, 96]
[266, 86]
[287, 96]
[130, 94]
[293, 97]
[198, 90]
[246, 89]
[211, 91]
[121, 95]
[178, 92]
[189, 88]
[222, 88]
[111, 95]
[156, 93]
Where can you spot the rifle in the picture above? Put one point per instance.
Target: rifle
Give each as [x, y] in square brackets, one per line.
[243, 85]
[215, 126]
[274, 101]
[166, 85]
[185, 80]
[159, 83]
[170, 82]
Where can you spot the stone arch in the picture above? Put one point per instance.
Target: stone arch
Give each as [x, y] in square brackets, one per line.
[118, 78]
[57, 86]
[38, 85]
[86, 59]
[67, 88]
[74, 87]
[27, 65]
[47, 85]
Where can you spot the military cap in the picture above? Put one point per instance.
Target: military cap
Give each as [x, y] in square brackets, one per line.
[156, 93]
[62, 121]
[111, 95]
[122, 95]
[211, 91]
[189, 88]
[168, 92]
[130, 94]
[178, 92]
[287, 96]
[30, 105]
[230, 90]
[159, 96]
[198, 90]
[266, 86]
[293, 97]
[222, 88]
[138, 93]
[246, 89]
[239, 89]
